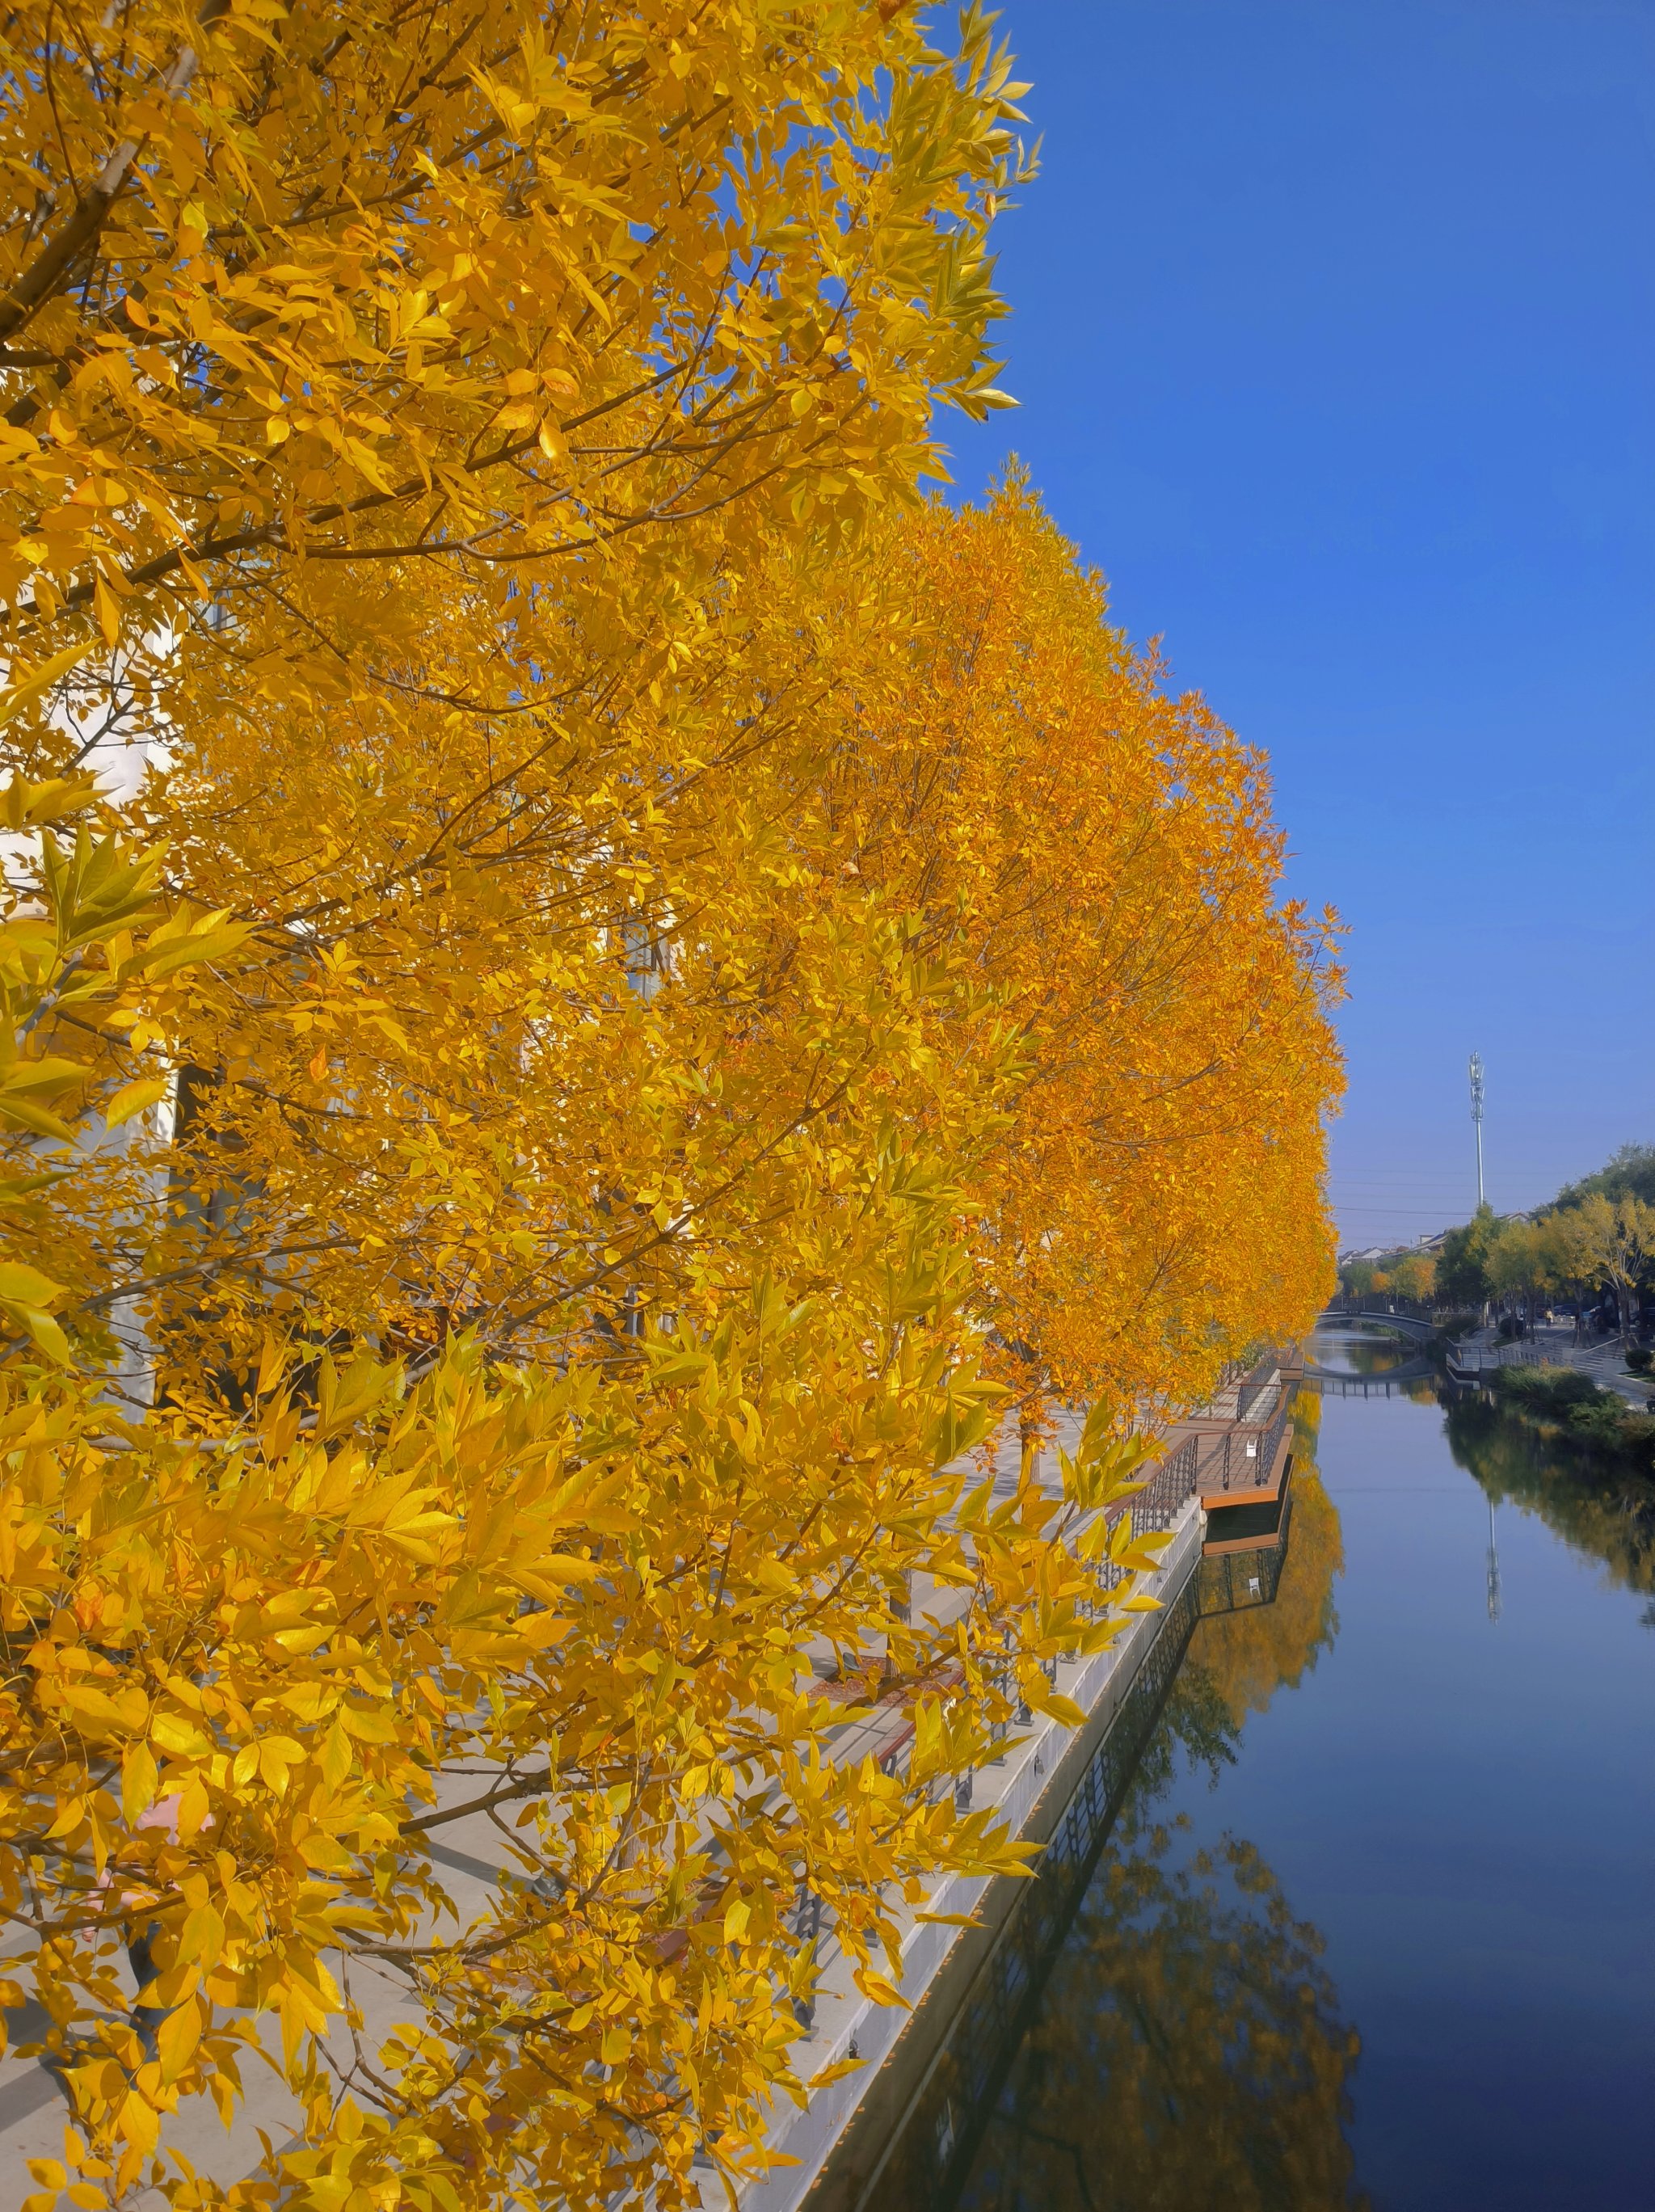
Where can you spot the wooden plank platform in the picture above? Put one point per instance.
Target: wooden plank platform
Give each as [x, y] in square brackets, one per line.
[1254, 1528]
[1262, 1494]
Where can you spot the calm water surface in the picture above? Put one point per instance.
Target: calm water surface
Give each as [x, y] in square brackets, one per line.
[1378, 1925]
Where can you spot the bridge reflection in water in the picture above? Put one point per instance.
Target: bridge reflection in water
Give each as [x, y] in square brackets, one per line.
[929, 2146]
[1371, 1356]
[1406, 1383]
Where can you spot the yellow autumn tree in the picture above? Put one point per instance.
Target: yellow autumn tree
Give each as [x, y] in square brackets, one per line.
[672, 1124]
[501, 1200]
[1101, 853]
[471, 1366]
[290, 292]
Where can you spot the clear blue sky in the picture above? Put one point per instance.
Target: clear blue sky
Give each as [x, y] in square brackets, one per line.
[1333, 333]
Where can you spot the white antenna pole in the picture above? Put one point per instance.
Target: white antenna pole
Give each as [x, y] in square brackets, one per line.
[1476, 1116]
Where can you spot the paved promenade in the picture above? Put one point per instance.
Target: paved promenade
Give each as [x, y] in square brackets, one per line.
[1553, 1344]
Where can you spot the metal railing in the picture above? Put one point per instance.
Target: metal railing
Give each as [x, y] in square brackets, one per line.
[1158, 1505]
[1153, 1511]
[1472, 1359]
[1257, 1400]
[1376, 1305]
[1238, 1461]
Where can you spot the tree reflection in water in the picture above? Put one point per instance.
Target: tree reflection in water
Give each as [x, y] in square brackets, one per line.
[1607, 1512]
[1188, 2051]
[1247, 1656]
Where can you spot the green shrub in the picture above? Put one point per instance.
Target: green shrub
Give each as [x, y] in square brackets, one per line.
[1600, 1420]
[1640, 1359]
[1547, 1389]
[1638, 1439]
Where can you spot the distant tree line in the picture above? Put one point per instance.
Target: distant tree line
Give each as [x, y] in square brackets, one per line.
[1594, 1245]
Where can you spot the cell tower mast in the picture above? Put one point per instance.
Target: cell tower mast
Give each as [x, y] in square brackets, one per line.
[1476, 1117]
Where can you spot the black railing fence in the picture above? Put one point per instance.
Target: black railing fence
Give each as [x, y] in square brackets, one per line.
[1242, 1461]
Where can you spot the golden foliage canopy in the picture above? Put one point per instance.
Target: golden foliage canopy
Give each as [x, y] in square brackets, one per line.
[285, 291]
[527, 1129]
[1102, 853]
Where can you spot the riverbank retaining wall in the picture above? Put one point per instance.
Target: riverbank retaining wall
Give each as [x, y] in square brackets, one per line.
[1028, 1787]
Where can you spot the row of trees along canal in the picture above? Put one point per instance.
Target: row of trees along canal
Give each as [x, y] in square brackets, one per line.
[1595, 1242]
[630, 985]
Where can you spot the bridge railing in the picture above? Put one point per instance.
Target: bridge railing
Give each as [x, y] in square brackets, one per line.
[1375, 1305]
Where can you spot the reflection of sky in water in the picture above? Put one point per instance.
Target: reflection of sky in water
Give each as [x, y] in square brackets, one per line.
[1437, 1837]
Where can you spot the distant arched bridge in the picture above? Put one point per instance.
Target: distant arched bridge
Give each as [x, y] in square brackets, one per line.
[1408, 1325]
[1408, 1328]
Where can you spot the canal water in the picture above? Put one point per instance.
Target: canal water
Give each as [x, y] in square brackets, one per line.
[1375, 1923]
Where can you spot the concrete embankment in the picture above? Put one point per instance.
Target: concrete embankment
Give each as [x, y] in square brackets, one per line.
[1235, 1460]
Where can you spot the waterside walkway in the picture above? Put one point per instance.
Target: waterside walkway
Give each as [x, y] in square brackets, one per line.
[1231, 1461]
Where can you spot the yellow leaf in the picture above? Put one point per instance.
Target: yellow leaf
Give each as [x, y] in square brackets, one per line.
[538, 1629]
[138, 1780]
[272, 1363]
[202, 1943]
[41, 1328]
[23, 1285]
[43, 1077]
[26, 1115]
[137, 2121]
[90, 1705]
[277, 1753]
[369, 1724]
[177, 2037]
[109, 611]
[337, 1758]
[134, 1098]
[566, 1567]
[836, 2072]
[178, 1737]
[878, 1989]
[28, 688]
[1043, 1698]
